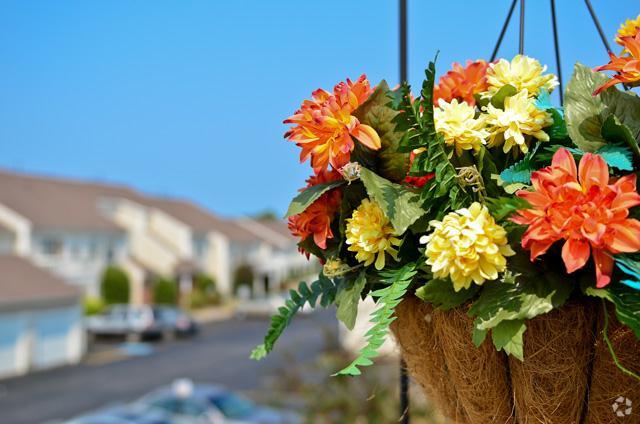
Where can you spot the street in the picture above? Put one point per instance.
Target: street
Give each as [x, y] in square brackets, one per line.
[220, 354]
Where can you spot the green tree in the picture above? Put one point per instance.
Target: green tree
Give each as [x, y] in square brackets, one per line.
[165, 291]
[114, 286]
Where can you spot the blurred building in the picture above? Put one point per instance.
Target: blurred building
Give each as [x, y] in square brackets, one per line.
[40, 319]
[75, 229]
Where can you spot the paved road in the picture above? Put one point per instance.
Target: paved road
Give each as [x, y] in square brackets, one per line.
[219, 354]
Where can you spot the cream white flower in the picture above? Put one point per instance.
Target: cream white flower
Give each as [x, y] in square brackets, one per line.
[459, 126]
[517, 123]
[467, 245]
[523, 73]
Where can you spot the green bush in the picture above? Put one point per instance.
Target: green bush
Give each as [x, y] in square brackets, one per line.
[92, 305]
[204, 292]
[165, 291]
[204, 283]
[114, 286]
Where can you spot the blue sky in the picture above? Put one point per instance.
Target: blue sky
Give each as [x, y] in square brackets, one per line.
[187, 98]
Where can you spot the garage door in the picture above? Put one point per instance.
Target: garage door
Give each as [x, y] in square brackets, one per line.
[12, 330]
[52, 330]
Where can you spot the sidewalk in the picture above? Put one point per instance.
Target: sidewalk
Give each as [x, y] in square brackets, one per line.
[213, 313]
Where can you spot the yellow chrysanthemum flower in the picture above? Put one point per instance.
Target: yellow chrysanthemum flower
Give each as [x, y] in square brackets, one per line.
[628, 28]
[523, 72]
[458, 125]
[516, 123]
[467, 245]
[370, 235]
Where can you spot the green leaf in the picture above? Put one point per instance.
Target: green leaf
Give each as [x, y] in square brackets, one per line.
[583, 111]
[625, 105]
[631, 268]
[507, 336]
[615, 131]
[388, 298]
[520, 172]
[616, 156]
[399, 203]
[347, 300]
[478, 336]
[442, 295]
[377, 112]
[306, 198]
[530, 292]
[543, 101]
[505, 91]
[626, 301]
[322, 289]
[557, 130]
[502, 207]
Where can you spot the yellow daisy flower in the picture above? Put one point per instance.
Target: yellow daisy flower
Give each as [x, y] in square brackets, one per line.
[458, 125]
[516, 123]
[467, 245]
[370, 234]
[629, 28]
[523, 72]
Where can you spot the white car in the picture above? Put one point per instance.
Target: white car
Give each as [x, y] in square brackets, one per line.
[265, 306]
[127, 321]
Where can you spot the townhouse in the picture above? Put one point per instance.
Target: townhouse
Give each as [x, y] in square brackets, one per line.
[75, 229]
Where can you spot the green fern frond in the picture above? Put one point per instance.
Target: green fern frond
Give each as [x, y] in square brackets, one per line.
[323, 288]
[388, 298]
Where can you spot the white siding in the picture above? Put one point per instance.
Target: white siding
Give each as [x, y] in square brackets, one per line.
[38, 339]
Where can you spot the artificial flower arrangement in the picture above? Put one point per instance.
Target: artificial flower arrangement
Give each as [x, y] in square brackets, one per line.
[481, 203]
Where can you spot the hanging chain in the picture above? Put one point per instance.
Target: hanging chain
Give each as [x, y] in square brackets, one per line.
[556, 45]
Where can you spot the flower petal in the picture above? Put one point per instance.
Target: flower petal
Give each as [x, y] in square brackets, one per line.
[593, 171]
[564, 159]
[604, 267]
[627, 236]
[367, 136]
[575, 253]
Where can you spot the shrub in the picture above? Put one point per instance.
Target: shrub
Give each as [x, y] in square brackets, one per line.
[204, 292]
[165, 291]
[92, 305]
[204, 283]
[114, 286]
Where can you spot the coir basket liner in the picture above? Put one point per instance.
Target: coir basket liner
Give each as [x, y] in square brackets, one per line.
[568, 375]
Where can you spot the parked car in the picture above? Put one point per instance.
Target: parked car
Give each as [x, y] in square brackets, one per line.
[127, 321]
[265, 306]
[126, 415]
[211, 404]
[176, 321]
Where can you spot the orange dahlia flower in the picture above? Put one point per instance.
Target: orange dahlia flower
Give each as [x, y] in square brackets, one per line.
[323, 126]
[462, 83]
[584, 208]
[627, 66]
[316, 219]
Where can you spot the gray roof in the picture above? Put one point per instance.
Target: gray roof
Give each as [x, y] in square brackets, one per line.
[54, 203]
[65, 204]
[23, 282]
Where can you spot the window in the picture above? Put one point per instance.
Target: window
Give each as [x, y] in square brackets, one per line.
[232, 406]
[51, 246]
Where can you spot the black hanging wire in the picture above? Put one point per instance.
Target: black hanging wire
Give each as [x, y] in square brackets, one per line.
[596, 22]
[556, 45]
[521, 39]
[503, 31]
[404, 63]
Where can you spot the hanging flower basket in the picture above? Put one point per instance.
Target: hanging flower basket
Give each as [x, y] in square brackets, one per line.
[498, 234]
